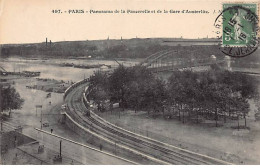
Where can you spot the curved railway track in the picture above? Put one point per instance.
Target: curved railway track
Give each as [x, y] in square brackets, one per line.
[166, 154]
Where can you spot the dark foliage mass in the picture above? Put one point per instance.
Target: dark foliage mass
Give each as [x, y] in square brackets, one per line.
[9, 98]
[213, 94]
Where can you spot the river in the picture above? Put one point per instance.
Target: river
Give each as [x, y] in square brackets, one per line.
[51, 69]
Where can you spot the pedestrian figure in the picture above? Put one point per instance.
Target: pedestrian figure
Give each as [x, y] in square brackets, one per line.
[111, 107]
[51, 130]
[15, 141]
[100, 147]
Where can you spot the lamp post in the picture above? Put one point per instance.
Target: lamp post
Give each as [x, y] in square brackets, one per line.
[60, 147]
[39, 106]
[1, 124]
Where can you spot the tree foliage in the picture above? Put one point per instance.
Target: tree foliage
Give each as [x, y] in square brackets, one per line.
[214, 93]
[9, 98]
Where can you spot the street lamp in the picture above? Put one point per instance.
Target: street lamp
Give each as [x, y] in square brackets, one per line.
[39, 106]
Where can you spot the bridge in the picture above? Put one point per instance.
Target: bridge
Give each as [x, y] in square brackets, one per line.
[169, 60]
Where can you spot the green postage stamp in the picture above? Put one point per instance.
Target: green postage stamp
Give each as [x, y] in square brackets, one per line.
[239, 28]
[239, 24]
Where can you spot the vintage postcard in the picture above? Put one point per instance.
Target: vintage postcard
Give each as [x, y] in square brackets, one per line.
[129, 82]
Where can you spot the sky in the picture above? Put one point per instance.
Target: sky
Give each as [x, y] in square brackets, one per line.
[29, 21]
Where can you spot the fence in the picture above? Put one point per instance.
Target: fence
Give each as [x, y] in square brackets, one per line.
[86, 101]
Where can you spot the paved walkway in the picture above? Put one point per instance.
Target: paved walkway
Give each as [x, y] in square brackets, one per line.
[47, 156]
[77, 153]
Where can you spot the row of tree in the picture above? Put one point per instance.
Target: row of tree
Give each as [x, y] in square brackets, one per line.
[213, 94]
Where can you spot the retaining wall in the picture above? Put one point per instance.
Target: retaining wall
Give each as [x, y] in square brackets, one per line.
[107, 145]
[13, 139]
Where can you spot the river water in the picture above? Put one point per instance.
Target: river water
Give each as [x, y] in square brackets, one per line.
[51, 69]
[26, 116]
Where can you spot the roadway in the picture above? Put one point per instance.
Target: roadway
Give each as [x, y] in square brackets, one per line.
[73, 147]
[77, 151]
[157, 152]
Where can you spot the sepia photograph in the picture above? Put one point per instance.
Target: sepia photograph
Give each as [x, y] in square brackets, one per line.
[129, 82]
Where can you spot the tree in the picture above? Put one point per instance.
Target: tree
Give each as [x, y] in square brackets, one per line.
[133, 95]
[218, 95]
[118, 84]
[99, 80]
[9, 98]
[183, 90]
[98, 88]
[99, 96]
[175, 90]
[154, 95]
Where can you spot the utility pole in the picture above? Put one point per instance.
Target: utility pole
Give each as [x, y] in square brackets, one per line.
[238, 122]
[60, 147]
[39, 106]
[1, 124]
[115, 148]
[41, 118]
[172, 61]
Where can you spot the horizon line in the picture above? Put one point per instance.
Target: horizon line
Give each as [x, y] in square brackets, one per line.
[110, 39]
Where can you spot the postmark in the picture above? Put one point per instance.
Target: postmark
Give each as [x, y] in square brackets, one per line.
[238, 24]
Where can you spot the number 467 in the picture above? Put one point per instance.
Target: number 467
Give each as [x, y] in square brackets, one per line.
[56, 11]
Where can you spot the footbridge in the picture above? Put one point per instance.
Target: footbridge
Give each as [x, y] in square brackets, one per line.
[169, 60]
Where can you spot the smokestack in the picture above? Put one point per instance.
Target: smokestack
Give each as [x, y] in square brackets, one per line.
[50, 42]
[46, 41]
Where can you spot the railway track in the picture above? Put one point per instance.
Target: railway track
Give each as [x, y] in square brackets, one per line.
[168, 154]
